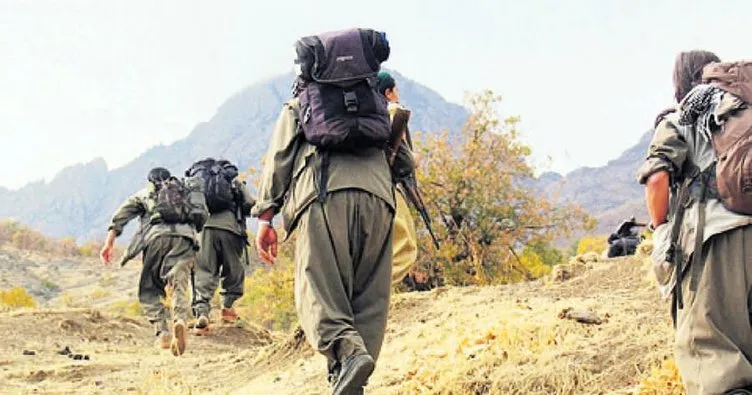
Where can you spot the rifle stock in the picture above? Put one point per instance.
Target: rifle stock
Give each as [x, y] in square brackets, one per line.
[409, 183]
[398, 132]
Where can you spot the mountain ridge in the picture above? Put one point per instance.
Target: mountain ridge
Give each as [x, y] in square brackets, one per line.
[79, 200]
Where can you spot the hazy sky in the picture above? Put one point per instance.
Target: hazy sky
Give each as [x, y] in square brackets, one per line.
[83, 79]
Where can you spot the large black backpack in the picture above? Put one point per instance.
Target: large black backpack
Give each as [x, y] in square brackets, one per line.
[340, 108]
[218, 176]
[179, 202]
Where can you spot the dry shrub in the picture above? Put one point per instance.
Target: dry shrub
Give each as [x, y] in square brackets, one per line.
[596, 244]
[99, 293]
[268, 298]
[644, 249]
[16, 298]
[568, 271]
[24, 238]
[128, 308]
[663, 380]
[71, 300]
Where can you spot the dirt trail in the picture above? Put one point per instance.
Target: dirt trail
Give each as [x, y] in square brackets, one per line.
[122, 357]
[503, 339]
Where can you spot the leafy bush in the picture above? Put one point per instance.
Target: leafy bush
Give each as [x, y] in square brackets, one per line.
[50, 285]
[16, 298]
[477, 187]
[595, 244]
[268, 297]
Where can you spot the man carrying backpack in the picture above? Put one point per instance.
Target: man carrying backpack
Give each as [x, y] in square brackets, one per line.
[327, 173]
[170, 211]
[404, 238]
[223, 239]
[700, 212]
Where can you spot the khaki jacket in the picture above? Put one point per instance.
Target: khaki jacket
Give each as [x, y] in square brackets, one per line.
[673, 148]
[141, 205]
[289, 179]
[227, 220]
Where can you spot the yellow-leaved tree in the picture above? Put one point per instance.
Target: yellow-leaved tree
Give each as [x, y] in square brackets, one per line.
[479, 190]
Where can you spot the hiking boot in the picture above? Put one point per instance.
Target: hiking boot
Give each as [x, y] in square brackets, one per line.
[163, 340]
[229, 315]
[202, 322]
[178, 338]
[354, 375]
[202, 326]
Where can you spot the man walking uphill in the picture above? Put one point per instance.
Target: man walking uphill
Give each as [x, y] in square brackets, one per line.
[703, 237]
[170, 211]
[404, 237]
[223, 239]
[327, 173]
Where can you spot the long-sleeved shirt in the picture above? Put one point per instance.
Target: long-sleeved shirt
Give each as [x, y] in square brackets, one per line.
[289, 181]
[141, 205]
[672, 147]
[228, 220]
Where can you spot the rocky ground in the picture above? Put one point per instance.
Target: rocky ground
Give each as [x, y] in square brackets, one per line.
[595, 326]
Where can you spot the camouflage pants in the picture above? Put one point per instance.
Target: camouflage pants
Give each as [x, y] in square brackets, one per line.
[220, 258]
[168, 262]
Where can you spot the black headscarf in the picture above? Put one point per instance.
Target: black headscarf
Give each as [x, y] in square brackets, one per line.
[158, 174]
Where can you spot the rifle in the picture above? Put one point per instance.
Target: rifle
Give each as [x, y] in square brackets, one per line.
[406, 177]
[410, 185]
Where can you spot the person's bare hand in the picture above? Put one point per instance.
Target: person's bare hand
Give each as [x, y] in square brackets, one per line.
[106, 254]
[266, 243]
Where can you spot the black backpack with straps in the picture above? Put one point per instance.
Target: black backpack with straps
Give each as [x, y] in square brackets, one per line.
[218, 176]
[340, 107]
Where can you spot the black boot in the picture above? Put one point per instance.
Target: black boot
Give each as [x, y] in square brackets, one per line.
[354, 375]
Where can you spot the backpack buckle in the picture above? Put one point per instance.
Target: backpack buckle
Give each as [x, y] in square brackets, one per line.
[351, 101]
[307, 115]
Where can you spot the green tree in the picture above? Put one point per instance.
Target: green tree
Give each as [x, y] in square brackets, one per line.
[477, 187]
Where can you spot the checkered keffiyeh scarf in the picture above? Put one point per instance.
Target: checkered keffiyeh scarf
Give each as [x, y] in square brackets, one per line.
[698, 109]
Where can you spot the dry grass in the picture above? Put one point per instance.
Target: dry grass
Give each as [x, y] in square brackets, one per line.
[476, 340]
[525, 348]
[99, 293]
[663, 380]
[128, 308]
[510, 339]
[160, 383]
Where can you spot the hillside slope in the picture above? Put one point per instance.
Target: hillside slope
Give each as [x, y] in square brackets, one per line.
[609, 192]
[503, 339]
